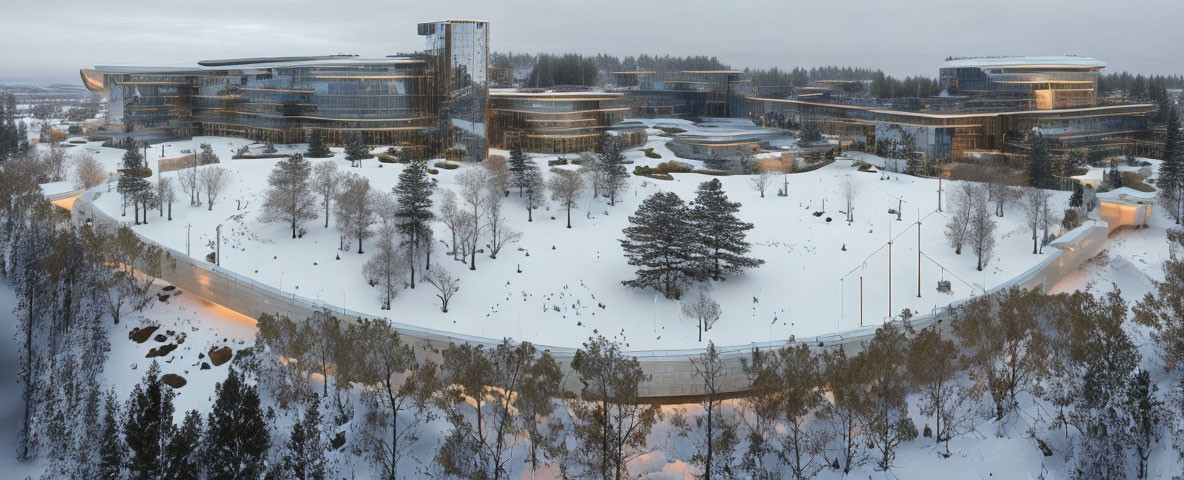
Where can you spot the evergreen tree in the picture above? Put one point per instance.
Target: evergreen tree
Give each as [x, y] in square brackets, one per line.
[236, 439]
[183, 450]
[289, 197]
[1144, 414]
[612, 164]
[132, 184]
[1078, 197]
[1039, 161]
[316, 145]
[304, 454]
[720, 234]
[355, 149]
[1114, 176]
[149, 425]
[656, 240]
[810, 132]
[518, 166]
[112, 453]
[1171, 171]
[414, 211]
[207, 156]
[535, 189]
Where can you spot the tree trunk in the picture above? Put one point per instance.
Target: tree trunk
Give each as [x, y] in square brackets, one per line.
[326, 211]
[170, 211]
[569, 216]
[359, 244]
[293, 226]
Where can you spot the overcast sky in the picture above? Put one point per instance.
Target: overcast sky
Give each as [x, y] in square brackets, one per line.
[902, 37]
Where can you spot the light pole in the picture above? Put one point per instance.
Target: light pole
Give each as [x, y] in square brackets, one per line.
[188, 228]
[218, 246]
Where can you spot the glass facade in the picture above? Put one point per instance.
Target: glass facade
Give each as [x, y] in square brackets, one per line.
[432, 102]
[461, 51]
[1044, 83]
[555, 122]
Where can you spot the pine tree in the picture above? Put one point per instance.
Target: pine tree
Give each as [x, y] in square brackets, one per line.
[1144, 414]
[657, 241]
[304, 454]
[132, 184]
[207, 156]
[1171, 171]
[720, 234]
[112, 453]
[289, 197]
[236, 438]
[414, 211]
[535, 189]
[1039, 161]
[612, 163]
[316, 145]
[149, 425]
[355, 149]
[183, 450]
[518, 166]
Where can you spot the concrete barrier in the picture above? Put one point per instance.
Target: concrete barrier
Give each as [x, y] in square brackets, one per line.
[671, 371]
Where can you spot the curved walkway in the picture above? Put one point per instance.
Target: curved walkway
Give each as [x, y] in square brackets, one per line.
[672, 373]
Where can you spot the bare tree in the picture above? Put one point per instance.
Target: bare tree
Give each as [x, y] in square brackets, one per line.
[1035, 205]
[188, 179]
[703, 309]
[566, 187]
[499, 173]
[88, 172]
[762, 180]
[454, 218]
[213, 180]
[446, 285]
[714, 450]
[289, 196]
[326, 181]
[982, 228]
[473, 191]
[849, 188]
[354, 215]
[591, 167]
[958, 224]
[166, 194]
[500, 234]
[55, 163]
[999, 190]
[386, 267]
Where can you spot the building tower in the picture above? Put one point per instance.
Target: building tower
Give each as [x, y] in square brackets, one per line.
[461, 52]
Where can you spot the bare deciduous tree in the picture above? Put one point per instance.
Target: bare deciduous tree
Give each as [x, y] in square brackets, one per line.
[354, 215]
[473, 191]
[1035, 204]
[566, 187]
[958, 224]
[166, 194]
[703, 309]
[213, 180]
[88, 172]
[762, 179]
[849, 188]
[326, 181]
[446, 285]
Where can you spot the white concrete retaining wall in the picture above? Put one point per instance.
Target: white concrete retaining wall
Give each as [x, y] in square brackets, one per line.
[672, 372]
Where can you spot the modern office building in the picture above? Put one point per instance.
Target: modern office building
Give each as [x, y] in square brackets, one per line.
[990, 106]
[550, 121]
[689, 93]
[1033, 83]
[432, 102]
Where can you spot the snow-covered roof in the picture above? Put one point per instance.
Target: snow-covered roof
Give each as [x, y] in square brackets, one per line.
[1126, 195]
[1062, 61]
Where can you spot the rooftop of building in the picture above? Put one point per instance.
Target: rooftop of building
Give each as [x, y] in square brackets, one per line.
[1059, 61]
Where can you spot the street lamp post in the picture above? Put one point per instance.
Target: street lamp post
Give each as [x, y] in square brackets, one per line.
[218, 246]
[188, 228]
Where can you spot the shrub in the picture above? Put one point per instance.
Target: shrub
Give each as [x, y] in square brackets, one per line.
[558, 161]
[1071, 220]
[649, 152]
[447, 165]
[433, 171]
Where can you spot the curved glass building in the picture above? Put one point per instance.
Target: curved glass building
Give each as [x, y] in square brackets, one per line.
[431, 102]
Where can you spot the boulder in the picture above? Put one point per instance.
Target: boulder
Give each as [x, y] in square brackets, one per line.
[219, 356]
[141, 335]
[160, 337]
[173, 380]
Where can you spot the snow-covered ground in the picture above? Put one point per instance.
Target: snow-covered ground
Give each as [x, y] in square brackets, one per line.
[569, 285]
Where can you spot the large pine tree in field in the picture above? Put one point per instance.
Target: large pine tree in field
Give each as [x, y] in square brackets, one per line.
[414, 211]
[289, 198]
[659, 240]
[518, 166]
[719, 233]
